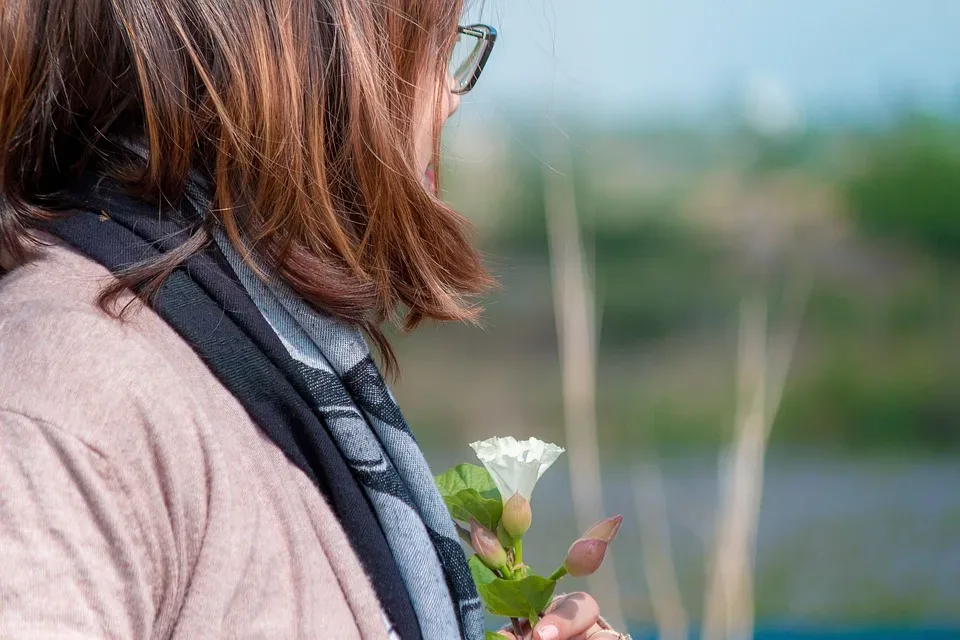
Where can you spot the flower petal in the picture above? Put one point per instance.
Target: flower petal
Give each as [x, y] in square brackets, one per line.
[513, 476]
[515, 466]
[550, 454]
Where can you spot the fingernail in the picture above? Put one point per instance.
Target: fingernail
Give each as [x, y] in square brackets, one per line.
[548, 632]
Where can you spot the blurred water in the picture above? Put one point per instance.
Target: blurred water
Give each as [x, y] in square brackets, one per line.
[841, 541]
[838, 634]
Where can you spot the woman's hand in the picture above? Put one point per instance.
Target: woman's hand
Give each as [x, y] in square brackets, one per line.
[571, 617]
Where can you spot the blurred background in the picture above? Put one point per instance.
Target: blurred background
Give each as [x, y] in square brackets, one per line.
[728, 237]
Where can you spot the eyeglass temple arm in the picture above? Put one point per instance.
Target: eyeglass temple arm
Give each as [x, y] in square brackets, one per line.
[482, 31]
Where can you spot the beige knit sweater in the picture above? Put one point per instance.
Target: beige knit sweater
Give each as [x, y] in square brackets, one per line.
[137, 498]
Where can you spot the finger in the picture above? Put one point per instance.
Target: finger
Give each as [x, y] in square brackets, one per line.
[567, 618]
[590, 634]
[524, 629]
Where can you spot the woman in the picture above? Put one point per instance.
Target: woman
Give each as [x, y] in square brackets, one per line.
[204, 208]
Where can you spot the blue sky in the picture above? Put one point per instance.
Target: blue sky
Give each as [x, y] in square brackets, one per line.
[629, 58]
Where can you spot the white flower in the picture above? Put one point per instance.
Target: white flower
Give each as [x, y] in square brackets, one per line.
[516, 466]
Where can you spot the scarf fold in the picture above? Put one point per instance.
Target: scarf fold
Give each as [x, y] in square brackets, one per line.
[312, 386]
[368, 427]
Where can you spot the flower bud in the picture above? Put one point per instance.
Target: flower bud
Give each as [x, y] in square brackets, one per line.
[516, 516]
[584, 557]
[605, 529]
[487, 546]
[586, 554]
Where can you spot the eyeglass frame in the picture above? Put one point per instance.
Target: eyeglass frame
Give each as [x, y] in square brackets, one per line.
[488, 36]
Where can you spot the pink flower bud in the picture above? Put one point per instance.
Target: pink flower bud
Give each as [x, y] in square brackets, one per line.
[605, 529]
[516, 516]
[586, 554]
[487, 546]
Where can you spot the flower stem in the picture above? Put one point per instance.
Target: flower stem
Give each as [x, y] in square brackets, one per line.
[517, 629]
[534, 619]
[518, 552]
[559, 573]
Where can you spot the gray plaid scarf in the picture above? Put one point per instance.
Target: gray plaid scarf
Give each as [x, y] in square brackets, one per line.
[367, 426]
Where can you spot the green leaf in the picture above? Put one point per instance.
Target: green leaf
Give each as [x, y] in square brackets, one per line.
[468, 504]
[467, 476]
[492, 635]
[482, 574]
[469, 492]
[511, 598]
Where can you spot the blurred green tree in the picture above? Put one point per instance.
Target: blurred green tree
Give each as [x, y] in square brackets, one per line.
[910, 189]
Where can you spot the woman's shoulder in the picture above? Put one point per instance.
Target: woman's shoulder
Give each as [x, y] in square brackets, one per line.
[66, 362]
[125, 451]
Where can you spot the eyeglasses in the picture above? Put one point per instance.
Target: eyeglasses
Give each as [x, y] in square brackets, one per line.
[470, 54]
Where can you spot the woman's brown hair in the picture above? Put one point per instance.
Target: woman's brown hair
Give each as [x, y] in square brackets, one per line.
[300, 111]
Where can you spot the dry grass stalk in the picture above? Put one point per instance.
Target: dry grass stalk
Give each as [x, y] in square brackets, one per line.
[729, 601]
[576, 329]
[657, 553]
[728, 607]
